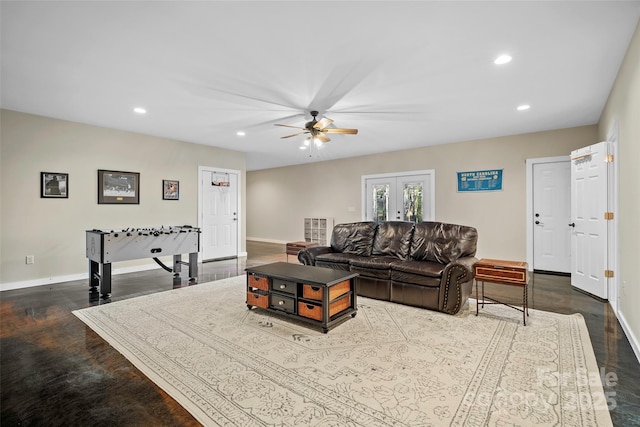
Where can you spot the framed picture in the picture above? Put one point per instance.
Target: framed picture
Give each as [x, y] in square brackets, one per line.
[170, 189]
[117, 187]
[54, 185]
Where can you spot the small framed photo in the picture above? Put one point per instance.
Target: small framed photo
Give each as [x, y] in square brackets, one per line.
[117, 187]
[170, 189]
[54, 185]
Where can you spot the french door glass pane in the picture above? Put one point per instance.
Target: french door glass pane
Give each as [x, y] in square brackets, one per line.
[380, 202]
[412, 201]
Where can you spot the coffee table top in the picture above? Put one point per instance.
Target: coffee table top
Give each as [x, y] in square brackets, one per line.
[302, 273]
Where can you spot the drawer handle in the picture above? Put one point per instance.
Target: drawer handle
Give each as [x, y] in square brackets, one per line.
[280, 302]
[283, 286]
[315, 289]
[311, 307]
[256, 296]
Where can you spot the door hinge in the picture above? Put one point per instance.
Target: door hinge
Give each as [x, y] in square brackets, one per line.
[608, 158]
[608, 216]
[608, 274]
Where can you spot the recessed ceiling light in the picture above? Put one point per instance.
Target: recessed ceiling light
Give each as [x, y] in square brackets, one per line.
[240, 133]
[140, 110]
[523, 107]
[502, 59]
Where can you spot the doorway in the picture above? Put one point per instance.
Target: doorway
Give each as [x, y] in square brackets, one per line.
[218, 212]
[405, 196]
[548, 184]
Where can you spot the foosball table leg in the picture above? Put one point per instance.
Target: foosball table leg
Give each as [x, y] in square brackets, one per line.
[177, 265]
[193, 266]
[94, 274]
[105, 280]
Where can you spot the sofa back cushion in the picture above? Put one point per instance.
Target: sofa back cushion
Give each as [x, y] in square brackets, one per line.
[354, 238]
[443, 243]
[393, 238]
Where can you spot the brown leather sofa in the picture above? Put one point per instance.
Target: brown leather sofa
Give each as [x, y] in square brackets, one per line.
[426, 264]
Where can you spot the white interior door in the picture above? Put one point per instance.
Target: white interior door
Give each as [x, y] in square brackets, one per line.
[219, 210]
[589, 203]
[552, 216]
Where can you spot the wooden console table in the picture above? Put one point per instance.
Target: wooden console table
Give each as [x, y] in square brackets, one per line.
[512, 273]
[294, 247]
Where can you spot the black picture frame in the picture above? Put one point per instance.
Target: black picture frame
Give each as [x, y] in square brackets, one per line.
[170, 189]
[54, 185]
[118, 187]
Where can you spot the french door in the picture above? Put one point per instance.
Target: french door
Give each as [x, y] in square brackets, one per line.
[408, 196]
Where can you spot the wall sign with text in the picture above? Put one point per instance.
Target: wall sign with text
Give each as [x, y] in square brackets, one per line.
[487, 180]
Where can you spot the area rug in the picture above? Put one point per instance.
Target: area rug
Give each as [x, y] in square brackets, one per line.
[391, 365]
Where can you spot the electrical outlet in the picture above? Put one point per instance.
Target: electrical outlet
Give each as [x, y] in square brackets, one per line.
[30, 259]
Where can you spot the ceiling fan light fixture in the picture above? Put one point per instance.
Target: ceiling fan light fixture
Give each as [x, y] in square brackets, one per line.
[502, 59]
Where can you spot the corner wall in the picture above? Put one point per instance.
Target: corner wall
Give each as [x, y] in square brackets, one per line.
[53, 230]
[623, 108]
[281, 198]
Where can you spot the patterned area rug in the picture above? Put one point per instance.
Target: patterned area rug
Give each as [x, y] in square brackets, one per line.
[391, 365]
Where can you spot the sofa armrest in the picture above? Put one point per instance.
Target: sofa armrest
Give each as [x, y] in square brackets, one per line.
[456, 284]
[308, 256]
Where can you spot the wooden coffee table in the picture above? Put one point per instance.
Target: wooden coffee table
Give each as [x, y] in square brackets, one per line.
[315, 295]
[512, 273]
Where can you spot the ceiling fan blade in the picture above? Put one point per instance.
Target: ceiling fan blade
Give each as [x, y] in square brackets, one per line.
[342, 131]
[323, 123]
[288, 126]
[295, 134]
[322, 137]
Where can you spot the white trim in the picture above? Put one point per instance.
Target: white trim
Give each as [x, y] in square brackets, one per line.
[529, 199]
[201, 169]
[260, 239]
[614, 245]
[363, 186]
[633, 340]
[71, 277]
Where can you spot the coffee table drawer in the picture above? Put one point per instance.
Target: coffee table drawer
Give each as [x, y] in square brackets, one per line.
[315, 292]
[314, 311]
[287, 286]
[281, 302]
[258, 282]
[259, 300]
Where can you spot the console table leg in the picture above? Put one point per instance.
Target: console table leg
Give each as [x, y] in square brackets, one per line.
[477, 299]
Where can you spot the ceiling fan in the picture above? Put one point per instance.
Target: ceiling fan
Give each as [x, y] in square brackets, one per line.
[319, 128]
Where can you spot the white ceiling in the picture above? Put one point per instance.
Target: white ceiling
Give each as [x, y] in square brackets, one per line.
[406, 74]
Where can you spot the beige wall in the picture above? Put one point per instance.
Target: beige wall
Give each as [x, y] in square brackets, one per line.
[53, 230]
[280, 198]
[623, 107]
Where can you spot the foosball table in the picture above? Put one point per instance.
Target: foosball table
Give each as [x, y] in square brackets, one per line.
[107, 247]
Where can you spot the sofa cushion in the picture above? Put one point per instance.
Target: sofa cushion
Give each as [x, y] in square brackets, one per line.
[421, 268]
[373, 266]
[442, 243]
[354, 238]
[423, 273]
[393, 238]
[335, 260]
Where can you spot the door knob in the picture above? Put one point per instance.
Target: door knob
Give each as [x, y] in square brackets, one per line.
[573, 224]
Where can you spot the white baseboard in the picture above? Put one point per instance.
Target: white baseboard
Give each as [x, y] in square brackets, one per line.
[70, 277]
[633, 340]
[259, 239]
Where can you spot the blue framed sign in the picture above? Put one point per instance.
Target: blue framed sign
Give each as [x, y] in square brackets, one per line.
[487, 180]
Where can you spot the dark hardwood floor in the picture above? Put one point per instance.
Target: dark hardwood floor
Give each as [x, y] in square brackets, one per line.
[57, 371]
